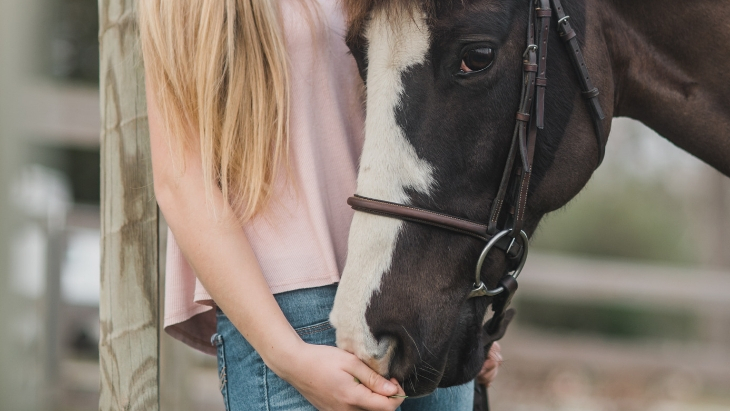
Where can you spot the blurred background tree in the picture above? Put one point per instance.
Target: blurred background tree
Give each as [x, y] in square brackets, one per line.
[72, 54]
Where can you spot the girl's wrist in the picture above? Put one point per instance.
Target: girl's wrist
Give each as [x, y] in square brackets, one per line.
[280, 353]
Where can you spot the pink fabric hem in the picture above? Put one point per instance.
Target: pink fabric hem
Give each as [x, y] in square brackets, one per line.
[176, 318]
[309, 284]
[196, 330]
[305, 284]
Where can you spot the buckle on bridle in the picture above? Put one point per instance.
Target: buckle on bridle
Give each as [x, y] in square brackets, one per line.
[480, 289]
[530, 47]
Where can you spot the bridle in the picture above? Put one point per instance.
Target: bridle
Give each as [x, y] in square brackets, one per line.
[516, 175]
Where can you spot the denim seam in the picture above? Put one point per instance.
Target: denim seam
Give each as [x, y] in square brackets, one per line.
[266, 387]
[222, 378]
[314, 328]
[222, 374]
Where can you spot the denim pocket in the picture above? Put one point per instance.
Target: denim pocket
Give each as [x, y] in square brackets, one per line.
[217, 340]
[321, 333]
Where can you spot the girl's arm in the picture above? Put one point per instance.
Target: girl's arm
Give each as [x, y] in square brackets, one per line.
[224, 261]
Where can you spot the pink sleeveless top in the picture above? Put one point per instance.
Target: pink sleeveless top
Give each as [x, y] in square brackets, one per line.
[301, 240]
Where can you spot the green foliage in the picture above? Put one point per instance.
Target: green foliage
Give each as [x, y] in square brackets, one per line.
[634, 220]
[73, 44]
[608, 319]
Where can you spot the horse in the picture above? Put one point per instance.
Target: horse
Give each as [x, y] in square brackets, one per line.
[443, 81]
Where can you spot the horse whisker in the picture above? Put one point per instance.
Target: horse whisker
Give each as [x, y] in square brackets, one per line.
[429, 380]
[414, 342]
[429, 351]
[433, 372]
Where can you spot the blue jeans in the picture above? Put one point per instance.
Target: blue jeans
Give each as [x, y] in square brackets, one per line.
[248, 384]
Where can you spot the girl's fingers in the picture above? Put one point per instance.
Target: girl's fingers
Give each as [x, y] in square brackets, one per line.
[491, 366]
[372, 380]
[372, 401]
[333, 379]
[487, 378]
[496, 352]
[488, 366]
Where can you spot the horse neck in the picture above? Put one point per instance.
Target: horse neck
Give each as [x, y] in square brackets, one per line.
[669, 67]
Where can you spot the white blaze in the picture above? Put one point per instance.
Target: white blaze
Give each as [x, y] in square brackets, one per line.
[388, 166]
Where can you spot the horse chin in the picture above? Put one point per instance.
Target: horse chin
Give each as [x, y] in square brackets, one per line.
[466, 354]
[462, 369]
[417, 386]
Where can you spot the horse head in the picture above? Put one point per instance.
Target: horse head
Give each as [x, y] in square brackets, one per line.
[443, 82]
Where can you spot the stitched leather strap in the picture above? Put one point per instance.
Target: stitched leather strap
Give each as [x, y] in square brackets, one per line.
[419, 215]
[423, 216]
[525, 120]
[590, 92]
[543, 15]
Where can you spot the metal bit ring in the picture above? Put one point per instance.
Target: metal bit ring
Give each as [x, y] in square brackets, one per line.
[479, 288]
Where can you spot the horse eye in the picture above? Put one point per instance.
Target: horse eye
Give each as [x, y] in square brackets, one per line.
[477, 59]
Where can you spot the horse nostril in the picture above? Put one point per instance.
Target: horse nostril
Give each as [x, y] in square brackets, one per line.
[379, 359]
[397, 356]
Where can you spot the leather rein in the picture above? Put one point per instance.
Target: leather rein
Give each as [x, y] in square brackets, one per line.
[511, 239]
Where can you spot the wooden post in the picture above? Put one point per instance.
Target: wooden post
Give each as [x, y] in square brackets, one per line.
[129, 348]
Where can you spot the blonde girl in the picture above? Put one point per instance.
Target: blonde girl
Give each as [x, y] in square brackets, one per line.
[256, 118]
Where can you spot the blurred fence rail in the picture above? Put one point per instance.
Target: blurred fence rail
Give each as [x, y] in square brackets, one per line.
[129, 308]
[617, 335]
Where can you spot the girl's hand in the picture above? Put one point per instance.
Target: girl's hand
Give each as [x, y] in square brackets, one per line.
[491, 366]
[333, 380]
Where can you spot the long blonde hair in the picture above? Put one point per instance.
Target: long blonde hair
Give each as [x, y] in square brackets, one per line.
[219, 67]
